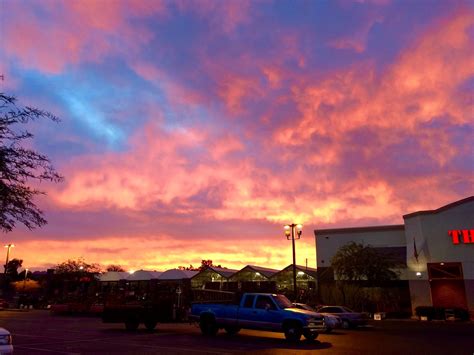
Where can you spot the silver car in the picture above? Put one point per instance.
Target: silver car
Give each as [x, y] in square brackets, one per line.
[331, 321]
[349, 318]
[6, 346]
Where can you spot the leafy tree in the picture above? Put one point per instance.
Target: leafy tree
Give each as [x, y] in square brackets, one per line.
[118, 268]
[20, 165]
[356, 262]
[76, 266]
[12, 268]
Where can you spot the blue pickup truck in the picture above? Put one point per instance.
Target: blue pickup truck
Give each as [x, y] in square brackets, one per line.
[259, 311]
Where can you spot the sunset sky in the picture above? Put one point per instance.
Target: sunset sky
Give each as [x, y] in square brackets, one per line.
[196, 129]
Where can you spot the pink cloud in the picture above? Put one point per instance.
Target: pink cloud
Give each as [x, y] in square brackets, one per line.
[304, 168]
[79, 31]
[222, 16]
[177, 94]
[234, 90]
[157, 169]
[425, 77]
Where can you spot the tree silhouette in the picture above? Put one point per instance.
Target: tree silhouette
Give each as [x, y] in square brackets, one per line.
[118, 268]
[12, 268]
[76, 266]
[20, 165]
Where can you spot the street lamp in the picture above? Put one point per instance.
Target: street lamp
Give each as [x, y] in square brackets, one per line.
[8, 246]
[24, 280]
[293, 231]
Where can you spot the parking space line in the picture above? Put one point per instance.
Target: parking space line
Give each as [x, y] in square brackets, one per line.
[187, 350]
[191, 350]
[22, 347]
[114, 341]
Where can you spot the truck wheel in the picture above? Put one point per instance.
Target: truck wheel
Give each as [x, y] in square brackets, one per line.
[310, 335]
[293, 332]
[208, 326]
[150, 324]
[232, 330]
[132, 323]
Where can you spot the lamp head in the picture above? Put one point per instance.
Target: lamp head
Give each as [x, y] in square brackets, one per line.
[287, 231]
[299, 230]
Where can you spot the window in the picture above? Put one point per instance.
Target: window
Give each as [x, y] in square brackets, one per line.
[264, 302]
[283, 302]
[249, 301]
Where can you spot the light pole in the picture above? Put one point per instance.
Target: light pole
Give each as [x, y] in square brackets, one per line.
[8, 246]
[293, 231]
[24, 280]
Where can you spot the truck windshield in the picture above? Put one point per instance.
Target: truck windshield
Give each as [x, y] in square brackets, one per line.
[282, 301]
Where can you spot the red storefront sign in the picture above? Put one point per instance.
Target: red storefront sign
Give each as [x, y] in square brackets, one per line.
[465, 235]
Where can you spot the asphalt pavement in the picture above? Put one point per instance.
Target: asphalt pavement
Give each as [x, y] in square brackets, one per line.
[39, 332]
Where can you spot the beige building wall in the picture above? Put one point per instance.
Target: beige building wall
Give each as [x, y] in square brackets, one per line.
[328, 241]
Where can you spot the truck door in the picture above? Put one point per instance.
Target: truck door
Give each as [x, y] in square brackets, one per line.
[266, 313]
[246, 310]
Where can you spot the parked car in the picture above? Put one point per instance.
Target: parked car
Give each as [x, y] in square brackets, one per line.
[6, 346]
[258, 311]
[332, 322]
[349, 318]
[3, 303]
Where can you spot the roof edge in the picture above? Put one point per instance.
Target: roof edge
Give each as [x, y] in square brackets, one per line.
[441, 209]
[360, 229]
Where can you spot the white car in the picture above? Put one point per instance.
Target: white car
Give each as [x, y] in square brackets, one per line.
[331, 321]
[6, 346]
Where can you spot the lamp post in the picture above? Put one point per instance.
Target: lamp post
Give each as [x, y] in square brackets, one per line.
[24, 280]
[8, 246]
[293, 231]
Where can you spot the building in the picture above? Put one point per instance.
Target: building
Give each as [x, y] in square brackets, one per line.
[212, 277]
[434, 248]
[305, 280]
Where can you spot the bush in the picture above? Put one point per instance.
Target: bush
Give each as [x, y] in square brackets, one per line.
[439, 313]
[398, 315]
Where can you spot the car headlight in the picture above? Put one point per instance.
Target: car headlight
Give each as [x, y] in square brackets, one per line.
[5, 339]
[315, 321]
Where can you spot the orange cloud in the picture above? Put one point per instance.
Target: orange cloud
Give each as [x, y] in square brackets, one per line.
[163, 252]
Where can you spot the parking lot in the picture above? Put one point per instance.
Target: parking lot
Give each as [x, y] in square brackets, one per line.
[38, 332]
